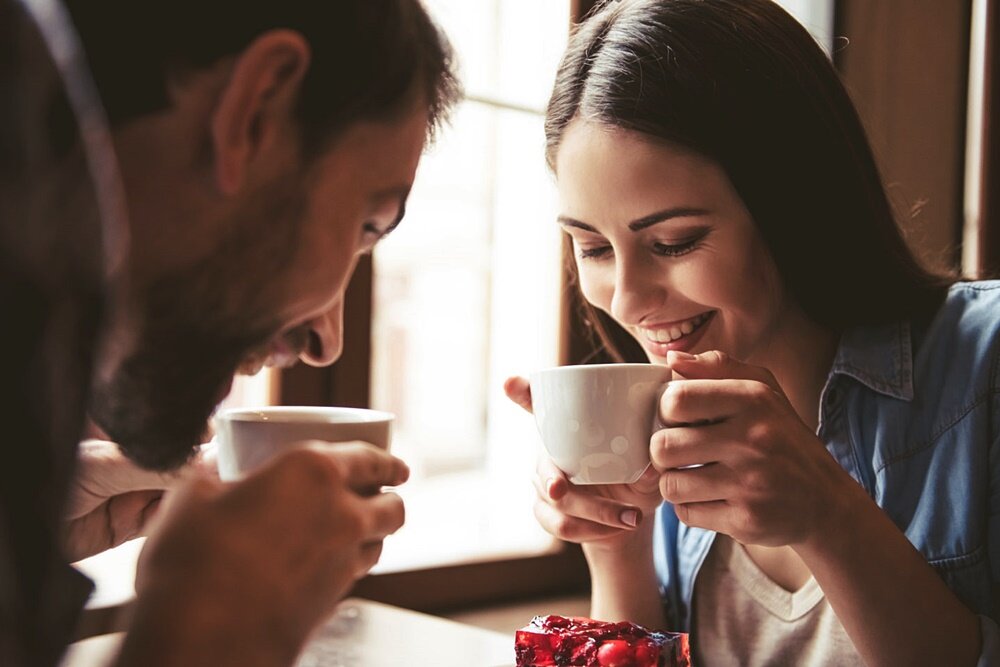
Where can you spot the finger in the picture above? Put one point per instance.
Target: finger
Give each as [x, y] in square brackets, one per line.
[549, 479]
[368, 556]
[571, 529]
[709, 515]
[110, 472]
[687, 402]
[104, 472]
[128, 514]
[681, 446]
[364, 466]
[716, 365]
[385, 515]
[518, 390]
[595, 509]
[648, 482]
[696, 485]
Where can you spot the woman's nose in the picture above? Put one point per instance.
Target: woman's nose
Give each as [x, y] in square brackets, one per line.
[638, 290]
[326, 337]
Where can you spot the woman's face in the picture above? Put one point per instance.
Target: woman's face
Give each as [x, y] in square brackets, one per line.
[664, 244]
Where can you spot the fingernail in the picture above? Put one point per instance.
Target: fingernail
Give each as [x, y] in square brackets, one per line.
[680, 356]
[630, 517]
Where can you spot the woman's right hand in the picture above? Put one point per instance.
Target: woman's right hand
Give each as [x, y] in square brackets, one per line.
[602, 516]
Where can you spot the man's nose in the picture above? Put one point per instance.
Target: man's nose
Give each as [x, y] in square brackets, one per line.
[326, 337]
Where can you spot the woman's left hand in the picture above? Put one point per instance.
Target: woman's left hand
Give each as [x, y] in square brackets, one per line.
[761, 476]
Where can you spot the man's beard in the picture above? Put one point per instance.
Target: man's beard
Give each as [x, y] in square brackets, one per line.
[196, 328]
[157, 404]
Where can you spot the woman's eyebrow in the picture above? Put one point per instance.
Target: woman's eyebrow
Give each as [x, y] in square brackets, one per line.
[664, 215]
[643, 222]
[571, 222]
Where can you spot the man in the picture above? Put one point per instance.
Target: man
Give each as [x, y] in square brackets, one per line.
[263, 145]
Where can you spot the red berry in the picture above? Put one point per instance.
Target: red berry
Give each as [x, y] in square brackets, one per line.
[615, 653]
[647, 654]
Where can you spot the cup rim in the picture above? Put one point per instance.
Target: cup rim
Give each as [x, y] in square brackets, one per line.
[572, 368]
[259, 414]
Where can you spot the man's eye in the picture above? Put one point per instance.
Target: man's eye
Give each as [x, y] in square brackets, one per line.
[371, 229]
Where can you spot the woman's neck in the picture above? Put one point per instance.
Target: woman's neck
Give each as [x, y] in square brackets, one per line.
[800, 356]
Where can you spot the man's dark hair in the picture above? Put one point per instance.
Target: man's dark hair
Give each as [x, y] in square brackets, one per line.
[368, 56]
[743, 83]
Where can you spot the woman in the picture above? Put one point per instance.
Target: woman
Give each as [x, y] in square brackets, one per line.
[724, 205]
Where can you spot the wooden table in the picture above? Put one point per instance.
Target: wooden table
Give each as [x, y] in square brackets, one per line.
[363, 633]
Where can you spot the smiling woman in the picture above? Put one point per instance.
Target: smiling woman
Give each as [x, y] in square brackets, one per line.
[669, 250]
[776, 297]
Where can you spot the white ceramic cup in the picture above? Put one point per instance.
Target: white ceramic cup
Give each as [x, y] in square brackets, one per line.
[248, 438]
[596, 421]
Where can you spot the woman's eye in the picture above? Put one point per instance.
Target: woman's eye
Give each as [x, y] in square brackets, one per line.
[675, 249]
[595, 252]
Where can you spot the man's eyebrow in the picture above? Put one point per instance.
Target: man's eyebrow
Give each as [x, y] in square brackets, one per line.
[643, 222]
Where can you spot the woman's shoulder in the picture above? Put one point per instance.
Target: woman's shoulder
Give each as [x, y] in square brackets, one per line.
[966, 328]
[973, 307]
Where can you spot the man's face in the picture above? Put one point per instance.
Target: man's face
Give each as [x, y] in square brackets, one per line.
[269, 288]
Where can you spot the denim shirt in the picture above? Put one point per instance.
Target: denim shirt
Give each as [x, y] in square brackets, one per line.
[912, 412]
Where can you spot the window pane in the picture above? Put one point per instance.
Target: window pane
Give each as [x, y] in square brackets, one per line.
[466, 290]
[507, 49]
[466, 293]
[816, 16]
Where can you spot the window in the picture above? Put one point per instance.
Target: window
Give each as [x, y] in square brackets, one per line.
[817, 16]
[466, 292]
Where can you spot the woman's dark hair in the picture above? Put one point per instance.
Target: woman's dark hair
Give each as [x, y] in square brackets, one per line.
[743, 83]
[368, 56]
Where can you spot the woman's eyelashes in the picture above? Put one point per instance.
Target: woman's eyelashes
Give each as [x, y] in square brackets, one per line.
[675, 249]
[600, 251]
[592, 252]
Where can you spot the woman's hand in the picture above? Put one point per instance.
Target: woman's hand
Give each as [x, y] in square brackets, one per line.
[604, 514]
[761, 476]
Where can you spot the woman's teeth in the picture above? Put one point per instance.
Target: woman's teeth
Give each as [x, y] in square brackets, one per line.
[675, 332]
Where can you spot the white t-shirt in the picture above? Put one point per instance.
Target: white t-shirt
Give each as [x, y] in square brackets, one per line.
[742, 617]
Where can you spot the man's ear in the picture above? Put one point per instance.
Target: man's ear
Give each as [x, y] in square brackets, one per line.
[256, 103]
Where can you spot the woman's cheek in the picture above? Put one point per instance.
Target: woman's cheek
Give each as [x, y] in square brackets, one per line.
[594, 290]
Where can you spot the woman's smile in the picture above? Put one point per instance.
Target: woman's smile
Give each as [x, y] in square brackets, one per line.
[681, 335]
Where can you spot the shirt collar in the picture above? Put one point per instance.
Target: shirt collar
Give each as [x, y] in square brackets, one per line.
[880, 357]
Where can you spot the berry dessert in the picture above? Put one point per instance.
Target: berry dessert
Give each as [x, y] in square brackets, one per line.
[570, 642]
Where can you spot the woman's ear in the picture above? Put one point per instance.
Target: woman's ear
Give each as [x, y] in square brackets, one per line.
[256, 104]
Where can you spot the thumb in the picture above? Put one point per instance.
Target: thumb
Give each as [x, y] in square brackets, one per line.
[716, 365]
[519, 391]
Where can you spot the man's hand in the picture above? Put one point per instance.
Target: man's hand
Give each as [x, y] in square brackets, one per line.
[250, 568]
[112, 499]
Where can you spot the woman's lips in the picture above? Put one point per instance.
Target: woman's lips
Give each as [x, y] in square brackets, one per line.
[681, 336]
